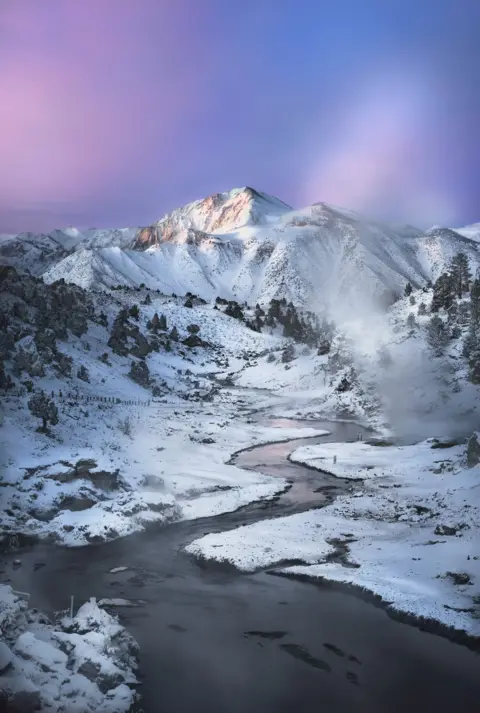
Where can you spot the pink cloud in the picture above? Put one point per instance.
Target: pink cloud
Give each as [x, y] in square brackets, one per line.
[370, 161]
[75, 111]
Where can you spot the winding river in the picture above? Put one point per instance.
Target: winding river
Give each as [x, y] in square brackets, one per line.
[213, 640]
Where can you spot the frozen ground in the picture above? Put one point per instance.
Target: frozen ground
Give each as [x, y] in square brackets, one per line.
[80, 665]
[410, 535]
[88, 480]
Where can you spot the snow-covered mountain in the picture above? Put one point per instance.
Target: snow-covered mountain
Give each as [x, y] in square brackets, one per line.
[249, 246]
[470, 231]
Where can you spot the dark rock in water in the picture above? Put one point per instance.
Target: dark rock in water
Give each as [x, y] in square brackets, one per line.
[15, 540]
[301, 653]
[272, 635]
[473, 450]
[177, 627]
[334, 649]
[352, 677]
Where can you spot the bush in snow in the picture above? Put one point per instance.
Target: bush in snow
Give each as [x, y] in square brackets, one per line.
[44, 408]
[64, 363]
[411, 321]
[83, 374]
[140, 373]
[288, 353]
[134, 312]
[125, 426]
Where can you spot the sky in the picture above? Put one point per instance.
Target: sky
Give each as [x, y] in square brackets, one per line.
[113, 112]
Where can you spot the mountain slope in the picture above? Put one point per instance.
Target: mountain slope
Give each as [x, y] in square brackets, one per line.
[246, 245]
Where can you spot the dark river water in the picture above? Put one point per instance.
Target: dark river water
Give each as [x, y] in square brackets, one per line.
[217, 641]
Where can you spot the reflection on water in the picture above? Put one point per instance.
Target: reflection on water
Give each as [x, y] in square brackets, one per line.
[308, 487]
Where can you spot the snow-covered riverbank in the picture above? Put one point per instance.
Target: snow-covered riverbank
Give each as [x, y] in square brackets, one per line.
[410, 535]
[79, 665]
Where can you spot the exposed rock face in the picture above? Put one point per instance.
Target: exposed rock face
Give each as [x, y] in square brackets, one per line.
[473, 450]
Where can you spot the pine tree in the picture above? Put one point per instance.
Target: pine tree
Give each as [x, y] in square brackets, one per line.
[443, 292]
[288, 353]
[408, 289]
[44, 408]
[461, 275]
[134, 312]
[437, 335]
[475, 301]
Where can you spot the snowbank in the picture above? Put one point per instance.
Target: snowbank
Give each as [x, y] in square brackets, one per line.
[410, 536]
[82, 665]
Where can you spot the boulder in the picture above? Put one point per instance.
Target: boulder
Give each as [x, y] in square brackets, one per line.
[473, 450]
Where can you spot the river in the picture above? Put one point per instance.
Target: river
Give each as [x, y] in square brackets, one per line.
[213, 640]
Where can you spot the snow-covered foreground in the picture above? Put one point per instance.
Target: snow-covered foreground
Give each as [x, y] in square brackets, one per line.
[81, 665]
[409, 535]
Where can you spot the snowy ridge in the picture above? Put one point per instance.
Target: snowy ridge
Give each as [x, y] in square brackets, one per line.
[249, 246]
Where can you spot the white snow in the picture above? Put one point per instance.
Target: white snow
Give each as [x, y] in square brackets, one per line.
[389, 527]
[82, 665]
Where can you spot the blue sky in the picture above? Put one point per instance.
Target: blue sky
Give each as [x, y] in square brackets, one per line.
[116, 112]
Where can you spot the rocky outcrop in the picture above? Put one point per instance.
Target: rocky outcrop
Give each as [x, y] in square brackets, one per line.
[473, 450]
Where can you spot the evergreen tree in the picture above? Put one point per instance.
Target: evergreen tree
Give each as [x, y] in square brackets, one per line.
[154, 323]
[134, 312]
[475, 301]
[288, 353]
[443, 292]
[411, 321]
[83, 374]
[461, 275]
[408, 289]
[44, 408]
[437, 335]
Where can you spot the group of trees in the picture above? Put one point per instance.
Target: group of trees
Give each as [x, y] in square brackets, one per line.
[450, 287]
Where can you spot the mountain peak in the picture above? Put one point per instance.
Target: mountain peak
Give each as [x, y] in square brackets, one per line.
[219, 214]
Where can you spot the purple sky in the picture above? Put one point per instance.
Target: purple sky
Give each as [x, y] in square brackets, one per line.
[113, 112]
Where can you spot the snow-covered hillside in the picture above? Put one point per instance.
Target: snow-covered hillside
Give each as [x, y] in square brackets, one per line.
[246, 245]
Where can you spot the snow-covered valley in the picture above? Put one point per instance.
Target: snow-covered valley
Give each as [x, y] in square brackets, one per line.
[123, 406]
